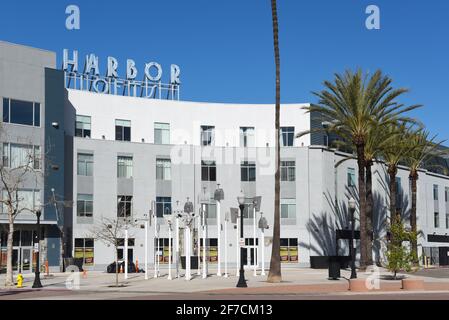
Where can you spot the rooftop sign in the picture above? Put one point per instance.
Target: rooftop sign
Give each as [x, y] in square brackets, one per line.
[146, 84]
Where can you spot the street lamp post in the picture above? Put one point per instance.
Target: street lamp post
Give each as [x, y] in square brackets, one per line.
[198, 249]
[262, 226]
[218, 196]
[226, 219]
[37, 280]
[254, 238]
[146, 247]
[352, 205]
[126, 249]
[242, 282]
[204, 200]
[156, 243]
[178, 215]
[188, 218]
[169, 219]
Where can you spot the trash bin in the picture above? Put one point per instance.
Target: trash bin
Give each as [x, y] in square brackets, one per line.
[334, 268]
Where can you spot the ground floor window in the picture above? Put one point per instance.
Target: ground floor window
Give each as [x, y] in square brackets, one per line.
[211, 250]
[163, 250]
[289, 250]
[84, 248]
[121, 249]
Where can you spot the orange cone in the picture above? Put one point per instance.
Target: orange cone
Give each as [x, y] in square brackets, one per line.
[137, 265]
[84, 273]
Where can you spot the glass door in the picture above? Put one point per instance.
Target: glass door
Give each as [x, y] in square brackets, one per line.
[25, 259]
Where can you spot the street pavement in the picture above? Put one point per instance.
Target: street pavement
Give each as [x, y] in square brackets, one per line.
[298, 284]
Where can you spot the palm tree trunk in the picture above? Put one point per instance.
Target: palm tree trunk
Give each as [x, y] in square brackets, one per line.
[369, 212]
[361, 162]
[9, 281]
[413, 179]
[392, 171]
[275, 264]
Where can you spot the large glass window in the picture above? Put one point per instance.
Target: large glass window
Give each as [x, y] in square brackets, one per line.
[435, 192]
[84, 248]
[288, 171]
[289, 250]
[436, 219]
[208, 171]
[20, 155]
[21, 112]
[161, 133]
[83, 126]
[27, 200]
[123, 130]
[446, 194]
[447, 220]
[163, 169]
[247, 137]
[248, 171]
[287, 136]
[163, 206]
[124, 167]
[211, 250]
[85, 205]
[85, 164]
[207, 135]
[211, 211]
[351, 177]
[124, 206]
[288, 208]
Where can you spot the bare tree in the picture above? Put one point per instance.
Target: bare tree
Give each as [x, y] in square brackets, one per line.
[18, 170]
[110, 231]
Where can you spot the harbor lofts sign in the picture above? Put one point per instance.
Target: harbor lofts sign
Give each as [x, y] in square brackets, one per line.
[146, 84]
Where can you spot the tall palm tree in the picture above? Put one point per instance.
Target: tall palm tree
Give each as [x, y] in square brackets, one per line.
[393, 153]
[354, 103]
[422, 148]
[275, 264]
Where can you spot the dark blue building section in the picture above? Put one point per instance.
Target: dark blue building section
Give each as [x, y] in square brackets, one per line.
[54, 159]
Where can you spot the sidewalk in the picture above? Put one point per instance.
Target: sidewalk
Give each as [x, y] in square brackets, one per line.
[97, 285]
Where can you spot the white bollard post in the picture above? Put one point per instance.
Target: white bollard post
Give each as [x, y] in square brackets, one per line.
[262, 250]
[198, 271]
[156, 247]
[126, 252]
[188, 275]
[177, 247]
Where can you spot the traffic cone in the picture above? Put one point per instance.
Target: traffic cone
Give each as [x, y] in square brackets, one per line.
[137, 265]
[84, 273]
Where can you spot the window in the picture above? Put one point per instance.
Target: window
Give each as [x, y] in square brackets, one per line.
[248, 211]
[85, 164]
[163, 169]
[20, 155]
[436, 219]
[247, 137]
[287, 136]
[124, 206]
[124, 167]
[446, 194]
[84, 248]
[123, 130]
[435, 192]
[163, 206]
[208, 171]
[211, 211]
[447, 220]
[351, 177]
[288, 172]
[163, 247]
[28, 200]
[398, 194]
[21, 112]
[248, 171]
[289, 250]
[207, 135]
[211, 250]
[82, 126]
[84, 205]
[288, 208]
[161, 133]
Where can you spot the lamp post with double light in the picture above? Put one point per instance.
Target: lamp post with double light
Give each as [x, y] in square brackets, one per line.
[218, 196]
[263, 224]
[242, 282]
[204, 200]
[187, 219]
[169, 220]
[352, 205]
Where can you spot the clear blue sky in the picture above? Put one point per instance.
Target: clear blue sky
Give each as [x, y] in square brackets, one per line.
[224, 48]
